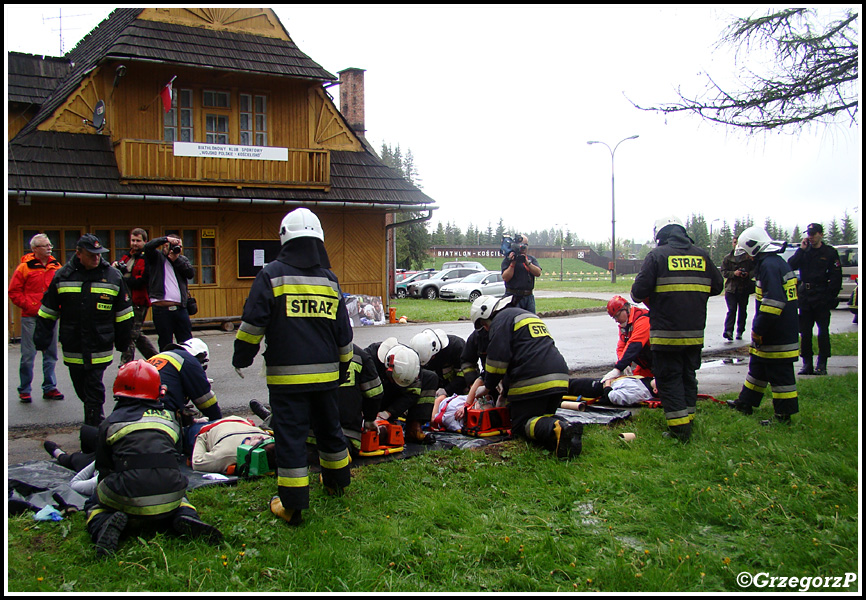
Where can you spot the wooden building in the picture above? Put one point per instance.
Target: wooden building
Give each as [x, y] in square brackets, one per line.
[250, 133]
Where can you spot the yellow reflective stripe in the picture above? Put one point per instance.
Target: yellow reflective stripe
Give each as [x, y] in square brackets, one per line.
[545, 385]
[305, 290]
[784, 395]
[530, 427]
[47, 313]
[676, 341]
[302, 379]
[784, 354]
[97, 289]
[98, 360]
[123, 315]
[681, 421]
[293, 481]
[754, 387]
[171, 357]
[373, 392]
[72, 361]
[133, 427]
[334, 464]
[682, 287]
[93, 513]
[249, 338]
[157, 504]
[770, 309]
[207, 403]
[68, 286]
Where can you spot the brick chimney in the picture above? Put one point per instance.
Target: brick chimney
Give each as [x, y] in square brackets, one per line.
[352, 98]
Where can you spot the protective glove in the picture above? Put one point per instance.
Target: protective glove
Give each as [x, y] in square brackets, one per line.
[384, 415]
[370, 426]
[239, 372]
[613, 374]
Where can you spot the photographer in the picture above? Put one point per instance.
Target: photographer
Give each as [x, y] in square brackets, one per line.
[519, 271]
[168, 271]
[132, 267]
[737, 271]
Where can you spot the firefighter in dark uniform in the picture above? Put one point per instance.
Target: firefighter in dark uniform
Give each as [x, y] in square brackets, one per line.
[296, 305]
[521, 354]
[675, 281]
[360, 395]
[441, 353]
[182, 369]
[775, 345]
[91, 300]
[137, 459]
[408, 390]
[821, 281]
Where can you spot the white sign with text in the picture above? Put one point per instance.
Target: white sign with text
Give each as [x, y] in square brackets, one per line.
[230, 151]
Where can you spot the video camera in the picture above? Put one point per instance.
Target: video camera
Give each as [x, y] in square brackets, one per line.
[518, 244]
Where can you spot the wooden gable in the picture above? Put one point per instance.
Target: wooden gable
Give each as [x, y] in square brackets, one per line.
[328, 129]
[255, 21]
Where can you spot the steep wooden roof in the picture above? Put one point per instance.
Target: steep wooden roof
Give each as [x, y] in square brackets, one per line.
[48, 161]
[122, 35]
[32, 78]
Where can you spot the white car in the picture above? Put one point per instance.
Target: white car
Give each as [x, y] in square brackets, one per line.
[485, 283]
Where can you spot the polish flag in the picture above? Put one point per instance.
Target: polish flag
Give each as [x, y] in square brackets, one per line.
[166, 94]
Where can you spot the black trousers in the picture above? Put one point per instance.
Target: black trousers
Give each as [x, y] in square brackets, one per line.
[98, 514]
[737, 304]
[677, 383]
[171, 321]
[534, 419]
[88, 385]
[811, 315]
[294, 414]
[779, 375]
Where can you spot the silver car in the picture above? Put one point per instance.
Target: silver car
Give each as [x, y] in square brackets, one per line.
[485, 283]
[430, 288]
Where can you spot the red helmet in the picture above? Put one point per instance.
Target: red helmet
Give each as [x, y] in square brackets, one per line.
[137, 379]
[616, 304]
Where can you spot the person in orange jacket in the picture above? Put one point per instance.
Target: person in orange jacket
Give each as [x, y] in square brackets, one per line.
[28, 284]
[632, 347]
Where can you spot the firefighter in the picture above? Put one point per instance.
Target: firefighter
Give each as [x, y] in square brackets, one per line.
[522, 353]
[296, 306]
[675, 281]
[775, 346]
[633, 346]
[408, 390]
[182, 369]
[137, 458]
[441, 353]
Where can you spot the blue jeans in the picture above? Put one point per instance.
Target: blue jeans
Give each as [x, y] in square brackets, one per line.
[526, 303]
[28, 357]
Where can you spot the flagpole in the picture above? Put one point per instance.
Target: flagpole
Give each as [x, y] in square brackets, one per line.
[158, 95]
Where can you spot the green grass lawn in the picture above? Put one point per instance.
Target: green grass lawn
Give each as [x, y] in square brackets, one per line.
[646, 515]
[419, 310]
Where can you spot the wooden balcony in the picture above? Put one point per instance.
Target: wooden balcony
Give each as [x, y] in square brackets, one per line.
[147, 161]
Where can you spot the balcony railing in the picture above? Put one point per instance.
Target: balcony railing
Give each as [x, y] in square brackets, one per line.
[142, 161]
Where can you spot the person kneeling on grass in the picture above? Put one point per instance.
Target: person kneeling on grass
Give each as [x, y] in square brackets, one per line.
[138, 460]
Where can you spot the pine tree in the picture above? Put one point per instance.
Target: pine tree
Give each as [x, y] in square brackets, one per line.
[833, 233]
[849, 232]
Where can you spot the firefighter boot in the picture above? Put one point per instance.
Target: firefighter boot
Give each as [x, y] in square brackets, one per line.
[807, 368]
[108, 537]
[292, 516]
[739, 406]
[681, 432]
[569, 441]
[821, 367]
[194, 528]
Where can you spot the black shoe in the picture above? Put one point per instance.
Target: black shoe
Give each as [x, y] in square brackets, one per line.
[259, 409]
[806, 370]
[50, 447]
[189, 525]
[746, 410]
[821, 368]
[786, 419]
[569, 440]
[728, 335]
[109, 536]
[740, 335]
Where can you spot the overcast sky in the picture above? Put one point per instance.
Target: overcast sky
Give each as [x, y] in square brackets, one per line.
[497, 103]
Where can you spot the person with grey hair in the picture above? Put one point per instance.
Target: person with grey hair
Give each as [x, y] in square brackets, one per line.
[29, 282]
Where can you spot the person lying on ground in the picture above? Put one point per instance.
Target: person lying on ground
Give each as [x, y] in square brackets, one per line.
[625, 390]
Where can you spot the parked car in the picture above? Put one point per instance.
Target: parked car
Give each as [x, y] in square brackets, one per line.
[464, 264]
[402, 288]
[429, 288]
[848, 257]
[401, 274]
[483, 283]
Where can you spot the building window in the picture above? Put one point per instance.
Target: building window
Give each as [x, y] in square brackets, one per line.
[216, 129]
[178, 122]
[212, 99]
[199, 246]
[253, 120]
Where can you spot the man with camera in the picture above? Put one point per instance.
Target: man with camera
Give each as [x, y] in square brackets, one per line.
[519, 271]
[168, 271]
[737, 271]
[132, 267]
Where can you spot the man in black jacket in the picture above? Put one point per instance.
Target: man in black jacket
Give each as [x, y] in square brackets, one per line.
[168, 271]
[91, 301]
[737, 271]
[675, 281]
[821, 280]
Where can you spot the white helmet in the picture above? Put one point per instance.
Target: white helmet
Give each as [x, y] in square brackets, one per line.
[301, 222]
[428, 343]
[197, 348]
[753, 241]
[403, 364]
[662, 223]
[485, 307]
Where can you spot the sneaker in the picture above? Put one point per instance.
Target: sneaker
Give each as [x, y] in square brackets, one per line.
[259, 409]
[739, 407]
[189, 525]
[51, 447]
[569, 440]
[109, 536]
[728, 336]
[24, 397]
[52, 395]
[740, 335]
[290, 516]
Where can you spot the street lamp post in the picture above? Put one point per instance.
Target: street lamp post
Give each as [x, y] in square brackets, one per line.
[612, 206]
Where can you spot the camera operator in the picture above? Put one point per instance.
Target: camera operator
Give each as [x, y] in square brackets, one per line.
[132, 267]
[737, 271]
[168, 271]
[519, 271]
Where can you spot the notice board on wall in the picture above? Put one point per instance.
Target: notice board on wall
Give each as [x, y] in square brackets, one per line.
[253, 255]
